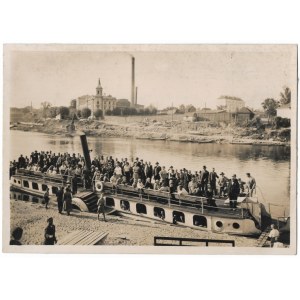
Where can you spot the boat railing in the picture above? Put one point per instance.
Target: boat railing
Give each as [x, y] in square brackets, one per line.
[201, 204]
[52, 178]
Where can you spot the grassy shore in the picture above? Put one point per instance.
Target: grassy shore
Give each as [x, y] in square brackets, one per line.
[32, 217]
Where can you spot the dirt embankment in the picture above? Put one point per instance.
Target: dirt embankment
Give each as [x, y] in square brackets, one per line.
[133, 231]
[196, 132]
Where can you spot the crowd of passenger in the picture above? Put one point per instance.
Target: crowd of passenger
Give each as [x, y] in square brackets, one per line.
[135, 172]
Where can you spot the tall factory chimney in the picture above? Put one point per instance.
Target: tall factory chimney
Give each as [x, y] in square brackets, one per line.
[132, 81]
[136, 94]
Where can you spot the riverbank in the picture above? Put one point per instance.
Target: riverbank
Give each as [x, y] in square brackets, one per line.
[197, 132]
[122, 231]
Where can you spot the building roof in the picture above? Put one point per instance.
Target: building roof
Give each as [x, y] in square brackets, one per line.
[231, 98]
[123, 102]
[245, 110]
[211, 111]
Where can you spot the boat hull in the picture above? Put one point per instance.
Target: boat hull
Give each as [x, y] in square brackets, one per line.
[183, 217]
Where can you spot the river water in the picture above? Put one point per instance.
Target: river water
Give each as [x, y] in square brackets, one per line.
[269, 165]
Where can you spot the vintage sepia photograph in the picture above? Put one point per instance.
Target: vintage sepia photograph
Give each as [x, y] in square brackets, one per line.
[184, 149]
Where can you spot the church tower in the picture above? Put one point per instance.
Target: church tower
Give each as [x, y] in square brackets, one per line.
[98, 96]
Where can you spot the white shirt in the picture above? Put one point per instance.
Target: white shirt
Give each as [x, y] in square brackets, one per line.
[274, 233]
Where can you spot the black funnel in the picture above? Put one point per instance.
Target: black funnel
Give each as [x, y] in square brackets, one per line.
[86, 152]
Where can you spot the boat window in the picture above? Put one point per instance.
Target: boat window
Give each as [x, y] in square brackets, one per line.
[219, 224]
[35, 199]
[54, 190]
[110, 201]
[200, 221]
[19, 181]
[159, 212]
[25, 197]
[15, 181]
[178, 216]
[141, 208]
[44, 187]
[125, 205]
[236, 225]
[15, 196]
[35, 186]
[26, 183]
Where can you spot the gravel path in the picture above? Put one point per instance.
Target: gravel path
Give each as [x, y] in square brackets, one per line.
[123, 230]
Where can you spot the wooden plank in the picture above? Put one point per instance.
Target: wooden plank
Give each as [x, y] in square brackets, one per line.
[77, 238]
[88, 238]
[97, 238]
[72, 237]
[102, 238]
[68, 237]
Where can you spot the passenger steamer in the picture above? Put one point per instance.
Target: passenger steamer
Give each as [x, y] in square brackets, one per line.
[249, 218]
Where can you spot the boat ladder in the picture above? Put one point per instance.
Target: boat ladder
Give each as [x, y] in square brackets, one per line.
[263, 237]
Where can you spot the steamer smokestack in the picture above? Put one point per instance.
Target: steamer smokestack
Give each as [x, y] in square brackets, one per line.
[132, 81]
[136, 94]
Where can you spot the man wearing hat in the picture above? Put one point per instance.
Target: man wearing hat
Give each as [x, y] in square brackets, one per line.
[213, 181]
[204, 181]
[157, 170]
[233, 191]
[223, 180]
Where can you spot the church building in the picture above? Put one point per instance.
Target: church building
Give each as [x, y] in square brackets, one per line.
[98, 101]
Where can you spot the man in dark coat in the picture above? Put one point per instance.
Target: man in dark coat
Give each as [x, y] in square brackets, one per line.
[213, 181]
[233, 191]
[68, 200]
[204, 181]
[50, 238]
[60, 197]
[157, 170]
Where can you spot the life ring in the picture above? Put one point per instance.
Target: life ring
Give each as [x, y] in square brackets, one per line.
[99, 186]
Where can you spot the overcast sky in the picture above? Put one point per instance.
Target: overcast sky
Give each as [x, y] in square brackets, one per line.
[195, 76]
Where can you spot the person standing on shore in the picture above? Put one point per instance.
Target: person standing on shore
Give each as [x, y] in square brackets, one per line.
[60, 198]
[46, 198]
[273, 235]
[100, 205]
[17, 235]
[68, 201]
[50, 238]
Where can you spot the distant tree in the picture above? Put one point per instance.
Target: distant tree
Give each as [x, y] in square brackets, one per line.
[147, 111]
[78, 112]
[270, 105]
[64, 112]
[52, 112]
[73, 103]
[190, 108]
[98, 114]
[133, 111]
[285, 96]
[108, 112]
[26, 109]
[45, 106]
[85, 112]
[116, 111]
[182, 108]
[152, 109]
